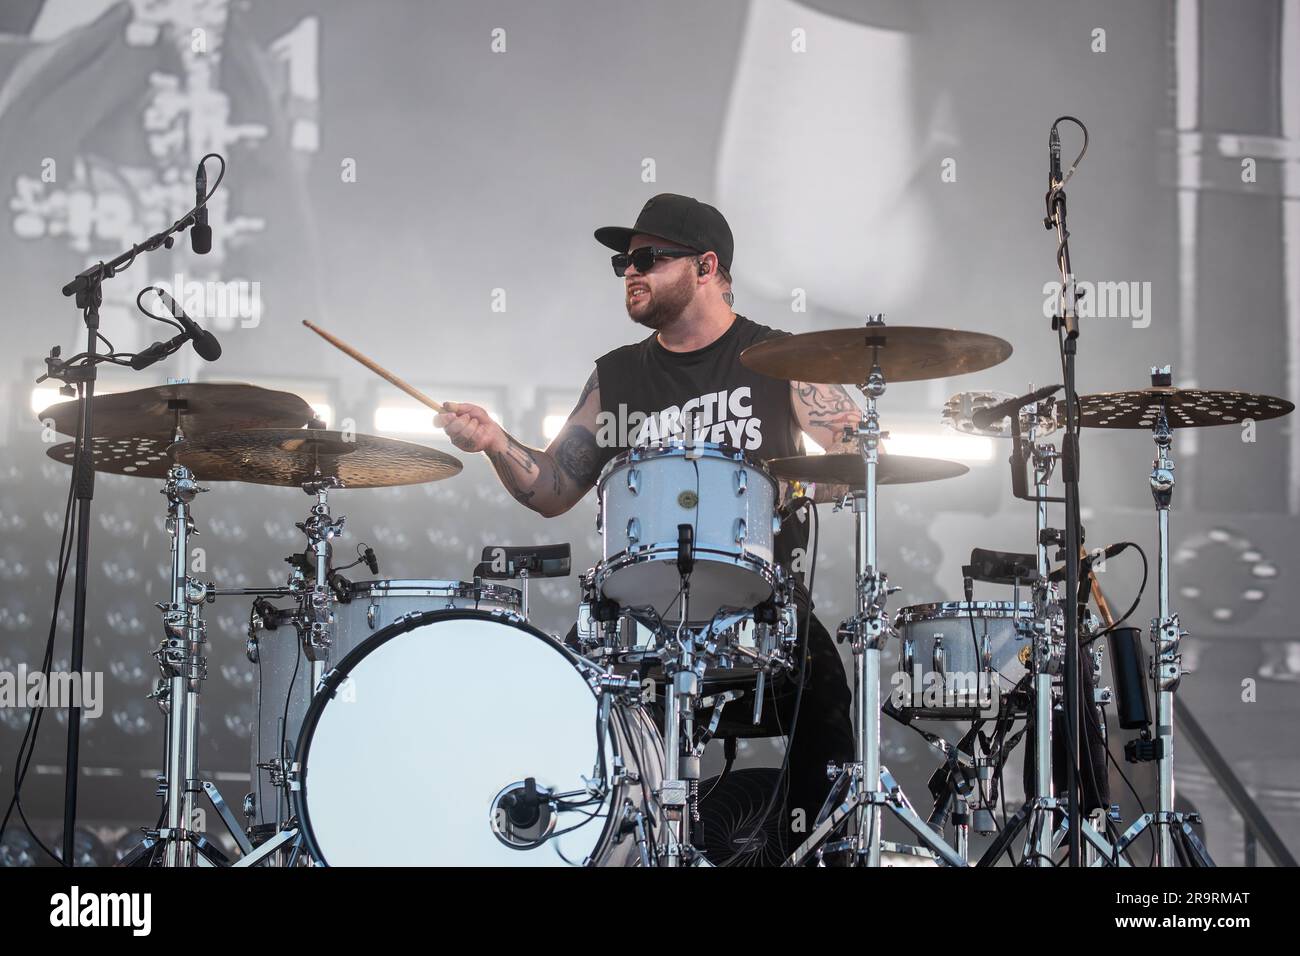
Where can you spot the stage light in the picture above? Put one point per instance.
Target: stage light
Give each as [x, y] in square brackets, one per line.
[552, 425]
[952, 447]
[399, 416]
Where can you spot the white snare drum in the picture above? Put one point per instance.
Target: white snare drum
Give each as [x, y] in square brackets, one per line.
[959, 658]
[430, 722]
[283, 689]
[728, 500]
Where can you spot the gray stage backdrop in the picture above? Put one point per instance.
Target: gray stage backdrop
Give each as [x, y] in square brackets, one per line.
[423, 178]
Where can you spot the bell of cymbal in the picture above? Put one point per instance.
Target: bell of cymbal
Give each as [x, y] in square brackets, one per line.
[905, 353]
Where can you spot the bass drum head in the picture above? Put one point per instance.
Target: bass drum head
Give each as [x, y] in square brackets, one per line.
[437, 715]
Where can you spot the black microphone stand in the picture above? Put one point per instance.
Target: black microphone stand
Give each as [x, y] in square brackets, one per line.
[80, 372]
[1066, 325]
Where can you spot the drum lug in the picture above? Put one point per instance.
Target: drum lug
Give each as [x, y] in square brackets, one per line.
[372, 614]
[633, 530]
[742, 481]
[937, 657]
[633, 481]
[741, 530]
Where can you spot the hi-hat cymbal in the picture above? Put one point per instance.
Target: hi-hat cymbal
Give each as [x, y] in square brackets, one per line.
[291, 456]
[1185, 407]
[905, 353]
[198, 407]
[848, 469]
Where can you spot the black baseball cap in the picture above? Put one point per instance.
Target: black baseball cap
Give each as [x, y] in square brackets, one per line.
[680, 219]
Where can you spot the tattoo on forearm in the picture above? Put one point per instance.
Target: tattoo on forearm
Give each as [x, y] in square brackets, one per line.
[827, 405]
[516, 457]
[578, 455]
[520, 455]
[502, 463]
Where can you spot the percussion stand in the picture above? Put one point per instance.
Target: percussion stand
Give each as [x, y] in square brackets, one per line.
[182, 659]
[1176, 842]
[318, 618]
[1044, 805]
[679, 789]
[867, 631]
[1038, 815]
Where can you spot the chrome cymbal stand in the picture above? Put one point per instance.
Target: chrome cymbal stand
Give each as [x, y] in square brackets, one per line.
[1037, 816]
[182, 659]
[682, 769]
[870, 786]
[1176, 842]
[318, 611]
[1045, 662]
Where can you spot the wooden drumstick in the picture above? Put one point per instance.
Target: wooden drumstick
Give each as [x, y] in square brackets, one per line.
[379, 370]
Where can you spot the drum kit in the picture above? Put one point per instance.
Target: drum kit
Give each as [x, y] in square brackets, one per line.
[416, 722]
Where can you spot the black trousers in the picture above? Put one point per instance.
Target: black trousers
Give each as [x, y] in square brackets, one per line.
[823, 732]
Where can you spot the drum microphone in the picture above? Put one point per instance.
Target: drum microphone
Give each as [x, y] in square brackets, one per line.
[201, 232]
[522, 815]
[205, 343]
[992, 416]
[685, 549]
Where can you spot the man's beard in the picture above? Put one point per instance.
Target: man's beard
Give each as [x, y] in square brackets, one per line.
[666, 305]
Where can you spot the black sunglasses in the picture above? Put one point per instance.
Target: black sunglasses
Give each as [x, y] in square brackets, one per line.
[645, 258]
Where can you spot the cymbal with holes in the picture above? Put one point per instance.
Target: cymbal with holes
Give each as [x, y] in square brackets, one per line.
[197, 407]
[1184, 407]
[136, 457]
[905, 353]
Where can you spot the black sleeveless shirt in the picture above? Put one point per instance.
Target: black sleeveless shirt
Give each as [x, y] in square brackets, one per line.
[648, 392]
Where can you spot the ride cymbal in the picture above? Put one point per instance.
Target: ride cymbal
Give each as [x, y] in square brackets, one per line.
[905, 353]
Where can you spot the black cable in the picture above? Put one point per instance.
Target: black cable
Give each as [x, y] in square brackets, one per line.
[1136, 601]
[781, 785]
[288, 697]
[27, 747]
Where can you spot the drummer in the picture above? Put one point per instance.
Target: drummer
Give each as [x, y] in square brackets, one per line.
[675, 262]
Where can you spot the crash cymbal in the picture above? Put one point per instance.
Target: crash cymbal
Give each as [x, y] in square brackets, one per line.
[1186, 407]
[137, 457]
[905, 353]
[291, 456]
[200, 407]
[847, 469]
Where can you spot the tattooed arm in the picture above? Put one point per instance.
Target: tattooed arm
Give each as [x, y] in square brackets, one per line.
[549, 482]
[823, 413]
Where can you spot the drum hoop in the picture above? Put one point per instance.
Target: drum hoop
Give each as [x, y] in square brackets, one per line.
[336, 675]
[705, 450]
[431, 587]
[951, 610]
